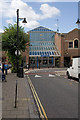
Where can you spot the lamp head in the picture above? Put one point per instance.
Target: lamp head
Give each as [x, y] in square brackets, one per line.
[24, 20]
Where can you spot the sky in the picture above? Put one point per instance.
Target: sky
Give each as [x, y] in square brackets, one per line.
[51, 14]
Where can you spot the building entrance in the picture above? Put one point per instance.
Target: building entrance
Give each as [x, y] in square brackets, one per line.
[45, 62]
[66, 61]
[39, 62]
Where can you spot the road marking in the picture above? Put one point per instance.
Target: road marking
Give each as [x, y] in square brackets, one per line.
[37, 76]
[38, 103]
[50, 75]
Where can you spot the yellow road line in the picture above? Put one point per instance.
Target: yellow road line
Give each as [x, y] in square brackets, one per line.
[35, 99]
[39, 105]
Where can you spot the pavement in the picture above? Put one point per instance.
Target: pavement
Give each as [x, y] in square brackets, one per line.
[25, 107]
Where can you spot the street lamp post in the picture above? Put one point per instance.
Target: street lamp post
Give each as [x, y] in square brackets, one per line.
[24, 21]
[17, 39]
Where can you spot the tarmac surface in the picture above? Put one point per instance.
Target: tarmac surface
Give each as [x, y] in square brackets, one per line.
[25, 105]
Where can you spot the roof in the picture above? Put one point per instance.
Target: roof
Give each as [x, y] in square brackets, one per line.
[41, 28]
[76, 29]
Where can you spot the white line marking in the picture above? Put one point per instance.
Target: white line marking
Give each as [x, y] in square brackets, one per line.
[37, 76]
[51, 75]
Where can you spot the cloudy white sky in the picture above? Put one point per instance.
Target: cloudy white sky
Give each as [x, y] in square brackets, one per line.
[40, 13]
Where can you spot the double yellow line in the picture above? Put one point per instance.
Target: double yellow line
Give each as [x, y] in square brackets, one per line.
[37, 100]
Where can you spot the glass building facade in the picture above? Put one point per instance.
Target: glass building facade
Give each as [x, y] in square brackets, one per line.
[42, 50]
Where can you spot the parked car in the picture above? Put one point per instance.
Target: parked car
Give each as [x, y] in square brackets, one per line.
[74, 70]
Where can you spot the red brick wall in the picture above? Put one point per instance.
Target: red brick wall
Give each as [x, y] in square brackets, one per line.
[71, 36]
[62, 42]
[58, 41]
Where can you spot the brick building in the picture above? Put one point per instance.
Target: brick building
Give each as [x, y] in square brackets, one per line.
[68, 45]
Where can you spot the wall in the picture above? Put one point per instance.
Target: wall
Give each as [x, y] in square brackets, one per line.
[71, 36]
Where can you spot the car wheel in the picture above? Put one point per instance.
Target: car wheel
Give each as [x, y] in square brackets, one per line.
[68, 75]
[79, 78]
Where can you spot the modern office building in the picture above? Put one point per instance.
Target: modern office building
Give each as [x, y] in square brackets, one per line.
[42, 50]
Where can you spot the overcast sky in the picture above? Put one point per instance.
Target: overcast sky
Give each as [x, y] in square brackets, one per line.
[40, 14]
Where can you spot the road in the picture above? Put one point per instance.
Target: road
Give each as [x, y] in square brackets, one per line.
[58, 95]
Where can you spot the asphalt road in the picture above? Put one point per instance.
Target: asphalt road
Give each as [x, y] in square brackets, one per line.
[58, 95]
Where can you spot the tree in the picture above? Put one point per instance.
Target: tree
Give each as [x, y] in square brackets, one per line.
[9, 43]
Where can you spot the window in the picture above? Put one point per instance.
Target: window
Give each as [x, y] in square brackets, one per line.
[42, 53]
[45, 53]
[38, 53]
[35, 53]
[70, 44]
[29, 53]
[52, 53]
[76, 44]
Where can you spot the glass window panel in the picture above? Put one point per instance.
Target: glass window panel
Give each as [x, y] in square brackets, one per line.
[70, 44]
[30, 53]
[38, 53]
[42, 53]
[52, 53]
[76, 44]
[35, 53]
